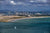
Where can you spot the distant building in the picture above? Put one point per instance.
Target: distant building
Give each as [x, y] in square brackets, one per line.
[22, 13]
[2, 14]
[38, 14]
[29, 15]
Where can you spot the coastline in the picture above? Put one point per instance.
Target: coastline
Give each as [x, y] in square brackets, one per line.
[15, 18]
[25, 18]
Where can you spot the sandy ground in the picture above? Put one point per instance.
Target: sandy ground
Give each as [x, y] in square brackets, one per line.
[11, 18]
[26, 18]
[8, 18]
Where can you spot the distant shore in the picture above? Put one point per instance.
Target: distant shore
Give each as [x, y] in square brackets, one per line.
[14, 18]
[26, 18]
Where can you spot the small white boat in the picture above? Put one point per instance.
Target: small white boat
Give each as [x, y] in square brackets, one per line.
[15, 27]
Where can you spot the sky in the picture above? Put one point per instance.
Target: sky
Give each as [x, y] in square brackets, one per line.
[25, 5]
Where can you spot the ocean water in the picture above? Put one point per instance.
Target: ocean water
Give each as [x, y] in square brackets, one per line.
[33, 25]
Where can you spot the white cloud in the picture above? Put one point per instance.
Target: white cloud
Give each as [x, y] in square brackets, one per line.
[22, 3]
[19, 3]
[42, 0]
[25, 3]
[12, 2]
[31, 1]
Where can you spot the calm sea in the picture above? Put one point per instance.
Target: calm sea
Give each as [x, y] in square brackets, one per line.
[34, 25]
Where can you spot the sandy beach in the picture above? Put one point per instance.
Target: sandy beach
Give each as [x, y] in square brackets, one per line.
[25, 18]
[13, 18]
[8, 18]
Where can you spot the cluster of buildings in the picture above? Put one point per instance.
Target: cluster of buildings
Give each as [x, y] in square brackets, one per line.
[22, 13]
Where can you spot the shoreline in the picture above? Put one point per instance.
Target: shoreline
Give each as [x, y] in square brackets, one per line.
[15, 18]
[25, 18]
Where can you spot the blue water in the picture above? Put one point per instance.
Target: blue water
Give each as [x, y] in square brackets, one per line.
[34, 25]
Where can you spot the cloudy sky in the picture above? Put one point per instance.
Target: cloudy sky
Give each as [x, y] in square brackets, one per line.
[25, 5]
